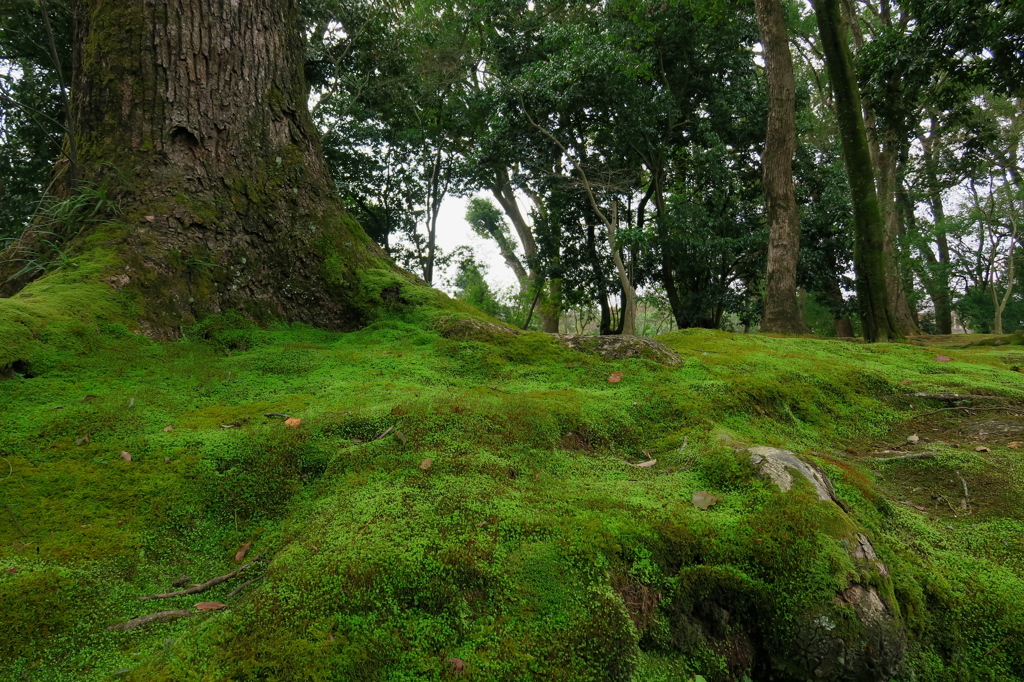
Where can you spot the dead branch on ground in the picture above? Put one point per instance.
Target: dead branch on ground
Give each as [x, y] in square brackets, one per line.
[158, 617]
[205, 586]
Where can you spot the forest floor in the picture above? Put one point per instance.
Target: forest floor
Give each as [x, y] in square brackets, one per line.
[445, 505]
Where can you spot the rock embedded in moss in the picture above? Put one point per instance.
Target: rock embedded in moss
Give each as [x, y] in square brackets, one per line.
[774, 463]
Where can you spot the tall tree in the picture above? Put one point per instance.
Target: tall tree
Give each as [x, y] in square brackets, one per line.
[877, 320]
[193, 117]
[782, 312]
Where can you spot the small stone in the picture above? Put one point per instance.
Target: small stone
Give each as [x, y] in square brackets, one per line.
[913, 439]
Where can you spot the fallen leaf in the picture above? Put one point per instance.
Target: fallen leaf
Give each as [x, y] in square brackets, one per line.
[942, 358]
[904, 383]
[704, 500]
[401, 436]
[398, 411]
[458, 665]
[536, 477]
[88, 397]
[168, 429]
[649, 463]
[330, 636]
[292, 423]
[12, 570]
[426, 464]
[913, 439]
[1014, 444]
[210, 606]
[83, 439]
[151, 218]
[981, 448]
[240, 554]
[126, 456]
[615, 378]
[167, 460]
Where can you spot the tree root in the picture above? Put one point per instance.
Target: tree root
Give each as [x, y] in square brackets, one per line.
[158, 617]
[916, 455]
[205, 586]
[1014, 410]
[244, 585]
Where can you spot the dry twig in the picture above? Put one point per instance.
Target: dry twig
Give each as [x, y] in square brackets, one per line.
[212, 582]
[158, 617]
[916, 455]
[244, 585]
[1015, 410]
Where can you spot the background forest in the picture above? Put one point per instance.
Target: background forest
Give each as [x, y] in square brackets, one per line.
[558, 118]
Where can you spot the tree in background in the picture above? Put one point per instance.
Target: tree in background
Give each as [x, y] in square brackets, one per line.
[781, 311]
[877, 318]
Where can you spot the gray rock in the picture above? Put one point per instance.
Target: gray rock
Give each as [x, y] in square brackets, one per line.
[775, 464]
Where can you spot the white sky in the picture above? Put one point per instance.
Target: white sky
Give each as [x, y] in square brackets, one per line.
[453, 231]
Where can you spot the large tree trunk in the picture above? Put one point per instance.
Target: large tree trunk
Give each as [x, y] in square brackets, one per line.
[877, 321]
[781, 309]
[193, 117]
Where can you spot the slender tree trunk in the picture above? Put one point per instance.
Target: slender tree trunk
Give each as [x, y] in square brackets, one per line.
[605, 326]
[667, 269]
[906, 321]
[194, 117]
[834, 297]
[941, 295]
[434, 196]
[550, 310]
[877, 321]
[627, 324]
[781, 309]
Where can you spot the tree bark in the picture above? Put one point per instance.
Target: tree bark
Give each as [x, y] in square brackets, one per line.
[781, 309]
[193, 116]
[882, 144]
[627, 324]
[940, 291]
[906, 320]
[877, 321]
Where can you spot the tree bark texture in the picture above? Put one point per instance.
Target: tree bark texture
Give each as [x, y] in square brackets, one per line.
[877, 321]
[781, 309]
[906, 320]
[193, 115]
[627, 321]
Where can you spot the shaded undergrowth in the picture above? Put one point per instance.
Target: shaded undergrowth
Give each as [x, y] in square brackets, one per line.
[529, 548]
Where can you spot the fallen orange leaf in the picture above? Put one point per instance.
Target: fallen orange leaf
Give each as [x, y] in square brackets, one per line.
[942, 358]
[126, 456]
[168, 429]
[615, 378]
[292, 423]
[210, 606]
[426, 464]
[240, 554]
[704, 500]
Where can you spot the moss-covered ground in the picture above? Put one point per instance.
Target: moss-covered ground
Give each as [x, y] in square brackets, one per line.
[530, 547]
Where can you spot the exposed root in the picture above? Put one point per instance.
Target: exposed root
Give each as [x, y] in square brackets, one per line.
[1014, 410]
[205, 586]
[916, 455]
[158, 617]
[244, 585]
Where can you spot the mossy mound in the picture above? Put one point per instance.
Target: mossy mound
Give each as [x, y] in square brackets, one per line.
[455, 508]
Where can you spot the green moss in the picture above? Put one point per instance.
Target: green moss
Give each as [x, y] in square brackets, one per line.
[529, 547]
